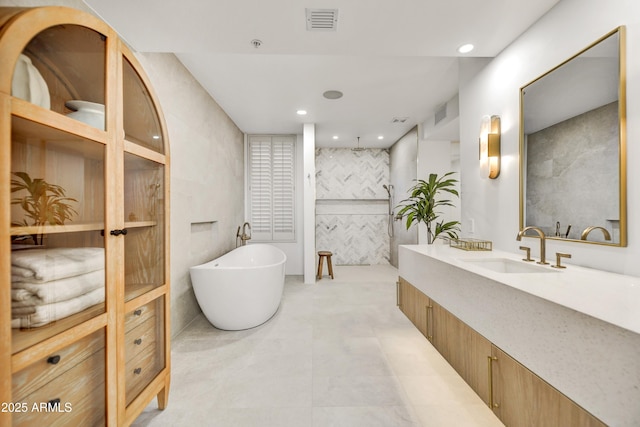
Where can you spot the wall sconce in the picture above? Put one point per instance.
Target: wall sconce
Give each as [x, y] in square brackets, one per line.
[489, 146]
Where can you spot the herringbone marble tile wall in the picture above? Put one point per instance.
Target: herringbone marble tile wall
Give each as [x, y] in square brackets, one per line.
[351, 212]
[342, 173]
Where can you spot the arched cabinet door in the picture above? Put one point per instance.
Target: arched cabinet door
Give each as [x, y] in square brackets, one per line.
[146, 250]
[84, 173]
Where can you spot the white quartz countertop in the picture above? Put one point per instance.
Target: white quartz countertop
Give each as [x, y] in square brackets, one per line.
[614, 298]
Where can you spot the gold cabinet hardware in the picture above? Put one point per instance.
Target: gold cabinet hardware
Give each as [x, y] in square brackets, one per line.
[397, 293]
[490, 360]
[427, 308]
[528, 252]
[560, 255]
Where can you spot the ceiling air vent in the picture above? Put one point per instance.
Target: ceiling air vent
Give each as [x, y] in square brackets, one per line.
[322, 19]
[441, 114]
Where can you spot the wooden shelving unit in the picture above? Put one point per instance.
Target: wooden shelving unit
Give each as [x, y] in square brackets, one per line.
[108, 356]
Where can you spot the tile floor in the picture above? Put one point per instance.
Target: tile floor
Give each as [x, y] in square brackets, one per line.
[337, 353]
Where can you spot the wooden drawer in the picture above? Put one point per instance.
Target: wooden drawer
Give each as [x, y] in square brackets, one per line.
[141, 369]
[138, 338]
[43, 371]
[139, 315]
[79, 393]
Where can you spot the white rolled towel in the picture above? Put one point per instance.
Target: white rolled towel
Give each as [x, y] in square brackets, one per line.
[46, 265]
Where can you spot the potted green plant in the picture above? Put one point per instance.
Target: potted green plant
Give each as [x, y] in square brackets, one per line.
[44, 203]
[423, 204]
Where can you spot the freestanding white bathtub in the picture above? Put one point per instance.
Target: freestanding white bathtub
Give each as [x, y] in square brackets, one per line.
[242, 288]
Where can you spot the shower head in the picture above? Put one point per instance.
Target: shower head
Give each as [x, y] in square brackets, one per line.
[358, 148]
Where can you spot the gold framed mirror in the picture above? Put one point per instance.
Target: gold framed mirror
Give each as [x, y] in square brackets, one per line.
[573, 146]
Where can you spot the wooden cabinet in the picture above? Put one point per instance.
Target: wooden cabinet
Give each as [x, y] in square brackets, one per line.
[521, 398]
[464, 348]
[516, 395]
[414, 304]
[84, 255]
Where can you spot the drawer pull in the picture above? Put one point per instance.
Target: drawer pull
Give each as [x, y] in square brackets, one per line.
[138, 341]
[137, 371]
[54, 359]
[137, 312]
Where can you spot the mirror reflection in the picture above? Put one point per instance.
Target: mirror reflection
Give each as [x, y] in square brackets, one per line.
[572, 147]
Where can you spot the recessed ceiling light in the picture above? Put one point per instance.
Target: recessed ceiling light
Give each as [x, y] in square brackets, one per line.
[380, 137]
[332, 94]
[301, 112]
[335, 136]
[465, 48]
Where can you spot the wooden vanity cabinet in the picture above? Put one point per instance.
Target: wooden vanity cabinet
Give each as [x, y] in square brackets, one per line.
[464, 349]
[84, 289]
[521, 398]
[517, 396]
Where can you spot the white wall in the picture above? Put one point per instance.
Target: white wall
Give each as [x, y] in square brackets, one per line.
[494, 204]
[207, 151]
[309, 190]
[403, 172]
[439, 157]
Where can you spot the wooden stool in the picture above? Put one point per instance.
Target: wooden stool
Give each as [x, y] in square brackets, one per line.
[323, 255]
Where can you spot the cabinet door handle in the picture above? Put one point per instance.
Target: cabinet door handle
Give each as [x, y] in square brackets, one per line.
[53, 359]
[118, 232]
[137, 312]
[137, 341]
[398, 294]
[429, 337]
[490, 360]
[137, 371]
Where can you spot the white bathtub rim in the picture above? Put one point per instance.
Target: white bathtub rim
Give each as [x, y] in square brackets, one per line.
[208, 264]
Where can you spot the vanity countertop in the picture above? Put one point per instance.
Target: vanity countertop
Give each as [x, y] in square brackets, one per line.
[614, 298]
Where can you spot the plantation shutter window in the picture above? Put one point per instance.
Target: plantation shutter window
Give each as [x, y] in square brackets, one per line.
[272, 187]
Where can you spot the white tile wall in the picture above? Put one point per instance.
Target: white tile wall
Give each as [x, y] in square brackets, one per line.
[351, 210]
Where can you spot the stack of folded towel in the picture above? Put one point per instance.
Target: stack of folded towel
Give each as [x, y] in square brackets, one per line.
[50, 284]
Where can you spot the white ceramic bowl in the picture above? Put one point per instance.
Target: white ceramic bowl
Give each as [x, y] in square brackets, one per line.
[87, 112]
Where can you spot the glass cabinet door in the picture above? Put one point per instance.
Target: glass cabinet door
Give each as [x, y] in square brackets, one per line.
[57, 218]
[63, 69]
[144, 252]
[57, 184]
[141, 121]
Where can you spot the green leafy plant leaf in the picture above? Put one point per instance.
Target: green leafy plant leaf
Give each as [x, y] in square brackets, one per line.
[424, 202]
[44, 203]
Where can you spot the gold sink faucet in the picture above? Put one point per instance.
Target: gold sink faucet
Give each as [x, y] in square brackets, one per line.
[588, 230]
[543, 250]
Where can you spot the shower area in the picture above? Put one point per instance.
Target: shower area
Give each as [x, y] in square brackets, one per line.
[356, 193]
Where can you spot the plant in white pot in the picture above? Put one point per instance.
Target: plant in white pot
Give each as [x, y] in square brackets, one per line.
[424, 203]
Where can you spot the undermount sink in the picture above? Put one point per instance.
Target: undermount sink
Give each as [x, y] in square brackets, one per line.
[506, 265]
